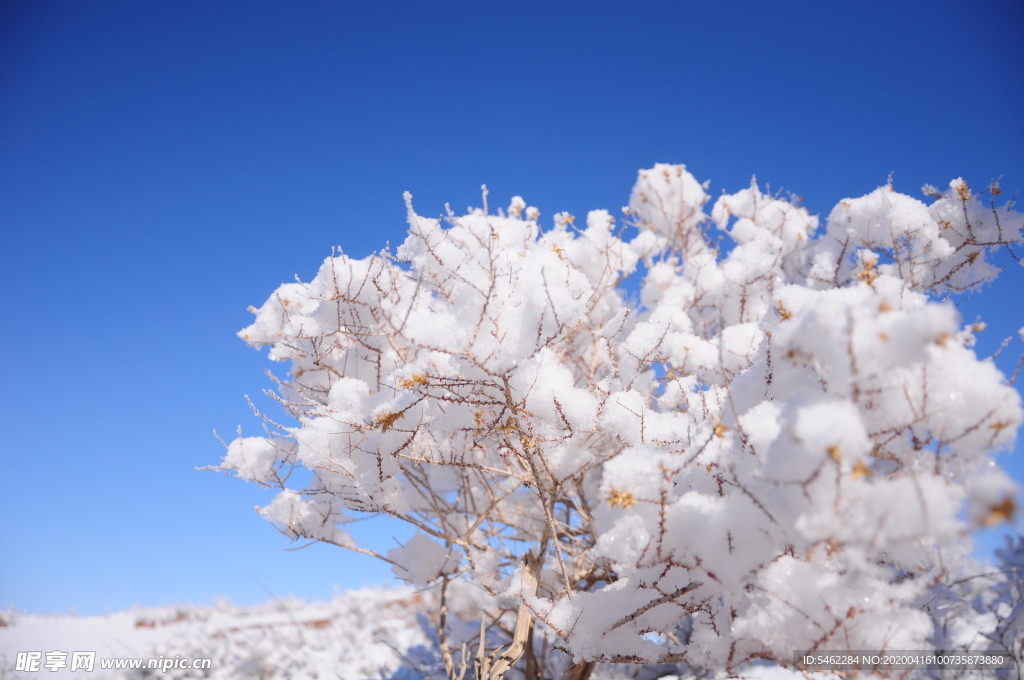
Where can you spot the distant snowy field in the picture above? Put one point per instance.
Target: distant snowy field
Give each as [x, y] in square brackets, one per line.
[368, 634]
[358, 634]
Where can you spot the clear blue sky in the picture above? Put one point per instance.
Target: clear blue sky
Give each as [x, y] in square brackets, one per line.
[163, 165]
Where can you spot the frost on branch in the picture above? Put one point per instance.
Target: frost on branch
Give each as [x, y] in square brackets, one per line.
[784, 444]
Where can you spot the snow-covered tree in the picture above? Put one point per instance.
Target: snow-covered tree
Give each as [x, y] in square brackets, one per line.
[782, 442]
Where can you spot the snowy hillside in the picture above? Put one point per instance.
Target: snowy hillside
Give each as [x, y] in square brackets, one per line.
[358, 634]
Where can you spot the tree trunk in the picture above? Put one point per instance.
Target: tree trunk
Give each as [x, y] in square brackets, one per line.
[580, 671]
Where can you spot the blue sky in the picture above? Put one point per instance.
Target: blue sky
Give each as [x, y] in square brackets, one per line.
[165, 165]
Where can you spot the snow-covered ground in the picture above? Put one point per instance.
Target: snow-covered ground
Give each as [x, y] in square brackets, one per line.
[358, 634]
